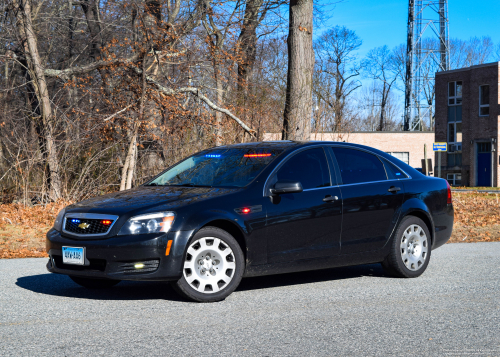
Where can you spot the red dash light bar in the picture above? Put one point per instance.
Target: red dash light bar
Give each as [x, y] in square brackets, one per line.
[257, 155]
[106, 222]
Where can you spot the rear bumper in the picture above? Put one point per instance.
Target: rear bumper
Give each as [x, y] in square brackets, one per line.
[443, 226]
[114, 258]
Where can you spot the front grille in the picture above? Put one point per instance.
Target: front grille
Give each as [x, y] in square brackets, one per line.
[95, 226]
[129, 268]
[95, 264]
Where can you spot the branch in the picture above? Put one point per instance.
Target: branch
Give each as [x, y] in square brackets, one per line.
[196, 92]
[118, 112]
[68, 72]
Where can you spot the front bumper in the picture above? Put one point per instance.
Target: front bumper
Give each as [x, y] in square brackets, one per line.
[115, 257]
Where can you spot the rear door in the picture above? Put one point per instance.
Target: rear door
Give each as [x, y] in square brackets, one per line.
[306, 224]
[370, 200]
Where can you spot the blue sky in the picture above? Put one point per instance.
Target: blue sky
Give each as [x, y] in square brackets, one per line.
[383, 22]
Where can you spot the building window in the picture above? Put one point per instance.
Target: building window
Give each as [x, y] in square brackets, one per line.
[455, 93]
[484, 100]
[454, 179]
[454, 159]
[403, 156]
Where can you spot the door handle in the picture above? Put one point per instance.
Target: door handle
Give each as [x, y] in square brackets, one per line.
[330, 198]
[394, 189]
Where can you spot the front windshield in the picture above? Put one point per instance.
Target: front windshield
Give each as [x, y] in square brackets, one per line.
[218, 168]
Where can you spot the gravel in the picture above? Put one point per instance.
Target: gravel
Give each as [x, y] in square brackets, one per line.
[453, 309]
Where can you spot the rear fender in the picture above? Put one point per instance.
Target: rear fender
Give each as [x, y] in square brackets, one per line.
[416, 207]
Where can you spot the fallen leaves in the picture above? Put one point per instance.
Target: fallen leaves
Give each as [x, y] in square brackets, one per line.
[23, 229]
[477, 217]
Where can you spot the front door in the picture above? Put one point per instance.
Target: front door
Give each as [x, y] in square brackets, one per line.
[307, 224]
[370, 201]
[483, 164]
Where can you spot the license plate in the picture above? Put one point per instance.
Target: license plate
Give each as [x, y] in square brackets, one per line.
[72, 255]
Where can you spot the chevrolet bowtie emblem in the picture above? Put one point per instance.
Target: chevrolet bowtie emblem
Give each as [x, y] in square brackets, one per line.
[83, 225]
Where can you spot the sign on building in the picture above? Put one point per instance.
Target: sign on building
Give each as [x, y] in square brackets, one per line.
[440, 146]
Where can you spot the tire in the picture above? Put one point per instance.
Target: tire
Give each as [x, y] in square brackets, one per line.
[90, 283]
[410, 249]
[212, 268]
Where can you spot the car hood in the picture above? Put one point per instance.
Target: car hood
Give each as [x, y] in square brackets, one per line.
[148, 198]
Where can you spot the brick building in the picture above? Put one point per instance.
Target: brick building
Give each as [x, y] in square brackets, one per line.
[467, 118]
[406, 146]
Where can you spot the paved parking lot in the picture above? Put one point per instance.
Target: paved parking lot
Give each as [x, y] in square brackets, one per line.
[453, 309]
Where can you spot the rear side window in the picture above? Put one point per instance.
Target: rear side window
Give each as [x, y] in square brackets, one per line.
[393, 172]
[309, 167]
[358, 166]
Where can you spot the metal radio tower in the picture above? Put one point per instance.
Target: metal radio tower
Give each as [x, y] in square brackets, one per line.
[427, 20]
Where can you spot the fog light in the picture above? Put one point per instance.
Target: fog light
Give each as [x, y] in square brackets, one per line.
[138, 265]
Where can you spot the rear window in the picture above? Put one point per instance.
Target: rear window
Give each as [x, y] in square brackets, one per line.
[358, 166]
[393, 172]
[218, 168]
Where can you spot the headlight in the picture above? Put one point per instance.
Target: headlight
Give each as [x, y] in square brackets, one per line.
[148, 223]
[59, 220]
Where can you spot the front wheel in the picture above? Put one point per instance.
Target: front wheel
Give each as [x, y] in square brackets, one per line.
[410, 250]
[90, 283]
[212, 268]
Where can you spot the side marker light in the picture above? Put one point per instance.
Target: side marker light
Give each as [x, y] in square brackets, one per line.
[169, 245]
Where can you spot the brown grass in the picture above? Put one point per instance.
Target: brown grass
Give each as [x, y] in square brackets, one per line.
[23, 229]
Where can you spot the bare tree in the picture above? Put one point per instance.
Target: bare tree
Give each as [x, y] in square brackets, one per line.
[298, 106]
[379, 65]
[496, 55]
[337, 70]
[476, 50]
[36, 71]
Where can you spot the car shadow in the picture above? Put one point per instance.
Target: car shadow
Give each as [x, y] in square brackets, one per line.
[61, 285]
[312, 276]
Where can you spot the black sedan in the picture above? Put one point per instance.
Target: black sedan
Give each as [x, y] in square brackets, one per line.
[256, 209]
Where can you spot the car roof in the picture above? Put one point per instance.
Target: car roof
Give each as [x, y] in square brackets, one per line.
[291, 144]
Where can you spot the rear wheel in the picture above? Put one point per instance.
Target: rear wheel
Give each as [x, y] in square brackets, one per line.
[213, 266]
[410, 250]
[90, 283]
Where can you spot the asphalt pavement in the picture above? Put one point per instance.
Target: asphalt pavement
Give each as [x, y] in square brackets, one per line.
[451, 310]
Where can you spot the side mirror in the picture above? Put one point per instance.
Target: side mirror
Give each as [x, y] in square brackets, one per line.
[281, 187]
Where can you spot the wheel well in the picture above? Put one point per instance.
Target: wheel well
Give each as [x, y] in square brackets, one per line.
[426, 220]
[233, 230]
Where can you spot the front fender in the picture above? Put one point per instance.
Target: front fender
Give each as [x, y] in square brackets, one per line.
[200, 219]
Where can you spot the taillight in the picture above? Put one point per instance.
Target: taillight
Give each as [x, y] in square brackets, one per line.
[448, 200]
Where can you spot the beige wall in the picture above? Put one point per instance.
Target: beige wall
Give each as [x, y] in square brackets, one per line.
[411, 142]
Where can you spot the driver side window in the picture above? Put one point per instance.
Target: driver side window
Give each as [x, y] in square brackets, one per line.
[309, 167]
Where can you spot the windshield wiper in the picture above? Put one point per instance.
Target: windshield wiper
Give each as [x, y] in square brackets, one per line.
[190, 184]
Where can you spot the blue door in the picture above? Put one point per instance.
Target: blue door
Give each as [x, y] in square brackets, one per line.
[484, 164]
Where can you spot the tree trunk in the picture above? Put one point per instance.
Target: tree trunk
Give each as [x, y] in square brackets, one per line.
[24, 17]
[218, 115]
[247, 44]
[298, 106]
[128, 159]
